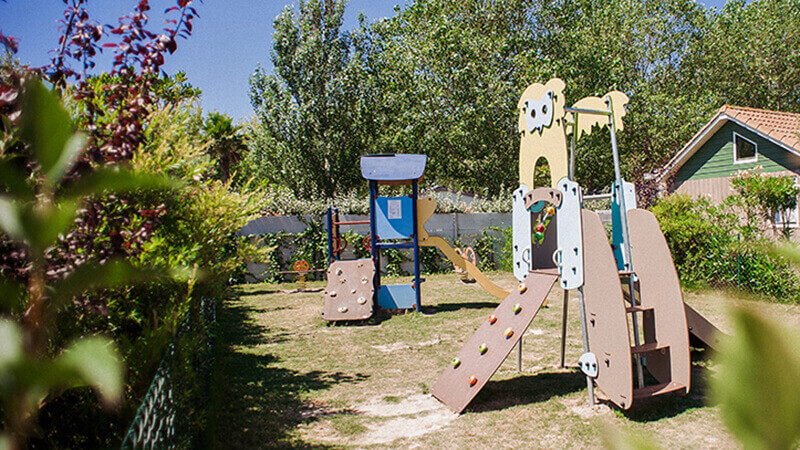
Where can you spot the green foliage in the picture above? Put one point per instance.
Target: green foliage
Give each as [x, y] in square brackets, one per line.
[710, 247]
[315, 115]
[32, 365]
[493, 249]
[756, 386]
[766, 197]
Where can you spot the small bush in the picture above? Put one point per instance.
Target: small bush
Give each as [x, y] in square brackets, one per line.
[711, 248]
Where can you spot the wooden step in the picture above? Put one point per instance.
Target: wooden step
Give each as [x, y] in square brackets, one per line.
[657, 389]
[649, 347]
[625, 273]
[635, 309]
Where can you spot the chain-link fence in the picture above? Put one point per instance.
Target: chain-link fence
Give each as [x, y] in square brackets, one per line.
[174, 411]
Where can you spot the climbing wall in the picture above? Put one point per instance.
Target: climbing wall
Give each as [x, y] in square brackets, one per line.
[350, 290]
[490, 345]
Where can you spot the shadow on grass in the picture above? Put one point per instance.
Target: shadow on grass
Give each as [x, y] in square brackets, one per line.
[447, 307]
[257, 404]
[526, 389]
[671, 404]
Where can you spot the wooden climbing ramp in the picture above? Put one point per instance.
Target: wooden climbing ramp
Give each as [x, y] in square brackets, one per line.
[483, 354]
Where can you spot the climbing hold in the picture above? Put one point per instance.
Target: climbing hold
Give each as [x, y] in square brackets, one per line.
[339, 271]
[342, 309]
[473, 380]
[455, 363]
[361, 300]
[550, 210]
[522, 288]
[353, 291]
[508, 333]
[483, 349]
[333, 293]
[492, 319]
[364, 280]
[538, 236]
[540, 228]
[517, 308]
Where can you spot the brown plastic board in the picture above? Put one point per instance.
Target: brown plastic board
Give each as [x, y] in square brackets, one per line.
[542, 194]
[350, 290]
[701, 328]
[660, 289]
[453, 387]
[606, 323]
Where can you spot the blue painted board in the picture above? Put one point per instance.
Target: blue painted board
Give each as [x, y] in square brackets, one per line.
[394, 217]
[393, 167]
[397, 296]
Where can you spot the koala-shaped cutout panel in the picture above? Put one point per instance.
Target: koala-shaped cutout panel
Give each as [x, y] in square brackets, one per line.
[539, 114]
[541, 124]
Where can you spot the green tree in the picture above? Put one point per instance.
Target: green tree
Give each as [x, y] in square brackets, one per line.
[451, 73]
[316, 113]
[225, 143]
[750, 55]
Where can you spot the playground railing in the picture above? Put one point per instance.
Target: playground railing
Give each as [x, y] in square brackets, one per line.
[173, 413]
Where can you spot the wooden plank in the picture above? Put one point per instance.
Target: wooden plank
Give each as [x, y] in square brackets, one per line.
[607, 324]
[350, 292]
[454, 387]
[660, 289]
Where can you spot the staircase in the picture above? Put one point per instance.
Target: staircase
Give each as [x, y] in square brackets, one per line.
[663, 347]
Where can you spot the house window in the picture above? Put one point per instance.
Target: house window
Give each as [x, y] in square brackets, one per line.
[744, 151]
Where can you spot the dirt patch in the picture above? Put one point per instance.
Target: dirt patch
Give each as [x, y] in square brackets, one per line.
[580, 406]
[410, 417]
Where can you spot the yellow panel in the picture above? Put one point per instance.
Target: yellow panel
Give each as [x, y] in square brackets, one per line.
[541, 124]
[586, 121]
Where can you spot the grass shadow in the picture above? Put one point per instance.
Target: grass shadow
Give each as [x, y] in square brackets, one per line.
[671, 405]
[256, 402]
[448, 307]
[526, 389]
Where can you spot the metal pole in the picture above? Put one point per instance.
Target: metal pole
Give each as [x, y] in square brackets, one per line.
[519, 354]
[626, 250]
[417, 287]
[330, 236]
[564, 327]
[572, 145]
[584, 331]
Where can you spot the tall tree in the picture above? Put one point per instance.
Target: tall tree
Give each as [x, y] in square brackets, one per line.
[450, 72]
[316, 112]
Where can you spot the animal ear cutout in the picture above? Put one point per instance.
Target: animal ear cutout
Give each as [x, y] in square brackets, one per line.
[584, 122]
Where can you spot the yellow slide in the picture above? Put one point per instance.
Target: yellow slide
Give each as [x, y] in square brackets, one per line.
[425, 208]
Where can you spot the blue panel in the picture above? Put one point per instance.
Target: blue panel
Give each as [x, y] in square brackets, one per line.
[398, 296]
[393, 217]
[393, 167]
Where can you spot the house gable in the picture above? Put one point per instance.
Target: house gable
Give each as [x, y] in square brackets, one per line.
[715, 158]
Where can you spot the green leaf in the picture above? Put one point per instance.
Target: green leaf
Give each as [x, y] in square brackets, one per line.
[111, 274]
[13, 180]
[45, 223]
[48, 129]
[757, 382]
[11, 350]
[94, 360]
[11, 220]
[11, 296]
[114, 179]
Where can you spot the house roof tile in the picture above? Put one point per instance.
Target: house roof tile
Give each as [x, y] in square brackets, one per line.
[781, 126]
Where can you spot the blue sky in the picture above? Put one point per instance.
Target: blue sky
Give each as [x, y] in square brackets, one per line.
[230, 39]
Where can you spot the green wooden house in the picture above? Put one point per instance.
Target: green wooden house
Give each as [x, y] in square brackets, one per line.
[735, 139]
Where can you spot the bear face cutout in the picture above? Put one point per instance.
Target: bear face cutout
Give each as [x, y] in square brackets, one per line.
[539, 113]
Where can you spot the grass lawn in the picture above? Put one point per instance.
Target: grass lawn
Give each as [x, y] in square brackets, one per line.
[288, 378]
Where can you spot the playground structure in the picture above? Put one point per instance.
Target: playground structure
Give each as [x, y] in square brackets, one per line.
[633, 318]
[395, 223]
